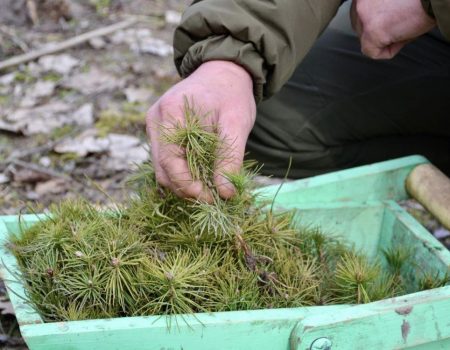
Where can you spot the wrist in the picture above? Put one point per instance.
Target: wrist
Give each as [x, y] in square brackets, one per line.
[226, 69]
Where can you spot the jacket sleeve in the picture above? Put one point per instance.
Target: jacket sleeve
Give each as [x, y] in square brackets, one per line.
[440, 10]
[266, 37]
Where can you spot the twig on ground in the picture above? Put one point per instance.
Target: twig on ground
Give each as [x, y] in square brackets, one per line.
[42, 170]
[14, 38]
[32, 11]
[66, 44]
[43, 148]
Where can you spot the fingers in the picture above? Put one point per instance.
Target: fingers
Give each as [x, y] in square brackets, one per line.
[379, 50]
[229, 92]
[231, 154]
[153, 123]
[169, 161]
[173, 162]
[377, 38]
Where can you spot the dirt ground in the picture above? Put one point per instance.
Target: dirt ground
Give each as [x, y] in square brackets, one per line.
[72, 123]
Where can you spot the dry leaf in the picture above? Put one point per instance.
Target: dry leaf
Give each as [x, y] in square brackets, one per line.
[62, 64]
[53, 186]
[93, 82]
[6, 307]
[138, 95]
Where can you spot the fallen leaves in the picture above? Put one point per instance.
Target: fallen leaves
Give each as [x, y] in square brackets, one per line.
[37, 93]
[41, 119]
[53, 186]
[86, 143]
[84, 115]
[142, 41]
[124, 151]
[23, 176]
[62, 64]
[6, 307]
[93, 82]
[134, 94]
[4, 178]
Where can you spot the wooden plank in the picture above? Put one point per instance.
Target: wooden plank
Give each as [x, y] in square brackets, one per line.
[379, 181]
[246, 330]
[355, 223]
[401, 229]
[411, 321]
[66, 44]
[8, 272]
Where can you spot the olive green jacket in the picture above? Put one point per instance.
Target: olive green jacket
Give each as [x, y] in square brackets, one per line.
[268, 38]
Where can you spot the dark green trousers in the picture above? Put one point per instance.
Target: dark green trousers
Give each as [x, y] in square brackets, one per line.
[341, 109]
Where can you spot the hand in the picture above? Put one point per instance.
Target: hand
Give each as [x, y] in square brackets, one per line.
[385, 26]
[222, 88]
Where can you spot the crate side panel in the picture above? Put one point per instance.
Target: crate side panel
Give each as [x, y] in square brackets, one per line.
[9, 272]
[379, 181]
[358, 225]
[401, 229]
[437, 345]
[259, 329]
[398, 323]
[15, 223]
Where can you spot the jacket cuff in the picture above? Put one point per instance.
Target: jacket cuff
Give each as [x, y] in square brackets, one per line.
[439, 9]
[224, 48]
[427, 7]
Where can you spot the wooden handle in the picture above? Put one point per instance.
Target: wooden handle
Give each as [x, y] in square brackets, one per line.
[431, 188]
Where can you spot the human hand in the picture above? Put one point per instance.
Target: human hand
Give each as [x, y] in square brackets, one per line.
[386, 26]
[226, 91]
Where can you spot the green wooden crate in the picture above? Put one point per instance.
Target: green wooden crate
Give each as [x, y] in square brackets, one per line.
[358, 204]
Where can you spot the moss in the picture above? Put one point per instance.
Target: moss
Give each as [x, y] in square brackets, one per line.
[55, 77]
[131, 117]
[101, 6]
[4, 99]
[24, 77]
[61, 132]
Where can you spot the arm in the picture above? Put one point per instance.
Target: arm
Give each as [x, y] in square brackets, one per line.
[267, 38]
[231, 53]
[386, 26]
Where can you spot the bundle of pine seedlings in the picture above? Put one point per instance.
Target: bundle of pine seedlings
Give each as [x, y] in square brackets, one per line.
[159, 254]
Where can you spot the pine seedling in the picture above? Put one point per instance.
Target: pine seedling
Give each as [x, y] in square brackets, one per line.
[271, 231]
[200, 146]
[431, 280]
[177, 284]
[244, 184]
[354, 276]
[397, 257]
[84, 287]
[295, 280]
[216, 218]
[385, 286]
[327, 249]
[237, 287]
[123, 257]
